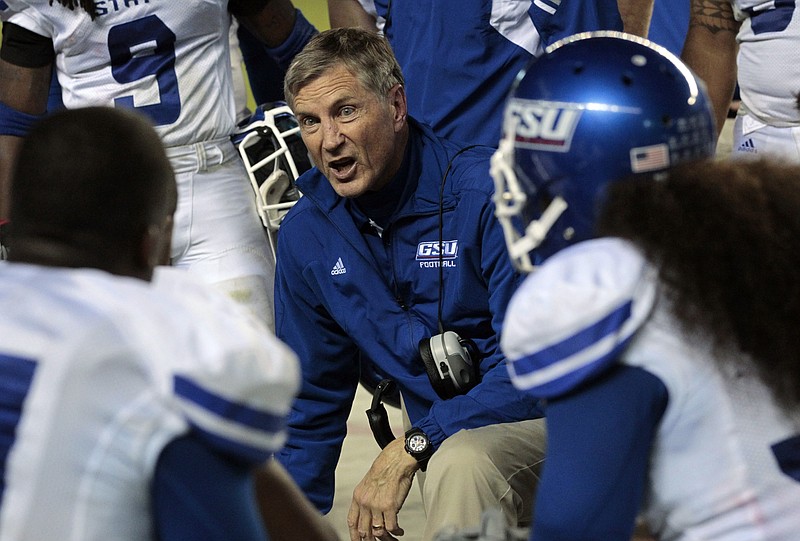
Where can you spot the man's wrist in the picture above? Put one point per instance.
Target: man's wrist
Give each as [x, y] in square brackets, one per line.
[419, 446]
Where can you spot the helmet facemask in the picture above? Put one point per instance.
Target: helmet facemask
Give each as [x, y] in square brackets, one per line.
[274, 156]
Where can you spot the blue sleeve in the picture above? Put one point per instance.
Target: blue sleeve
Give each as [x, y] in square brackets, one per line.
[263, 72]
[265, 66]
[574, 16]
[302, 32]
[317, 423]
[670, 24]
[200, 495]
[599, 439]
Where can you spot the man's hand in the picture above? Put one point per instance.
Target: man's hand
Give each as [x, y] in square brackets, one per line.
[273, 24]
[380, 495]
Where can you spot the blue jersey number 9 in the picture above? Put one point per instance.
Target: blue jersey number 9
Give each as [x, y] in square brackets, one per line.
[142, 48]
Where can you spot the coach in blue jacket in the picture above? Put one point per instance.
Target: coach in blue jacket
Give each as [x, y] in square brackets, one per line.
[358, 281]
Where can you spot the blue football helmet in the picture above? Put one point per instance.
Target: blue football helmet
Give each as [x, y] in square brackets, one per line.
[274, 156]
[595, 108]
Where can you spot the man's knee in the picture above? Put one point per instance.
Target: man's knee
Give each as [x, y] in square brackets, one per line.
[495, 458]
[462, 458]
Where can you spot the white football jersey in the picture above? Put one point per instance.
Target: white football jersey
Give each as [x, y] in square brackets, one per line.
[713, 472]
[167, 59]
[99, 373]
[768, 67]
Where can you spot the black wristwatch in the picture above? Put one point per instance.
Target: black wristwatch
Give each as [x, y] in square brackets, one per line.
[418, 445]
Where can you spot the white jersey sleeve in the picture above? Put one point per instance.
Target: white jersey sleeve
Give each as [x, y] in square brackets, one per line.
[570, 319]
[238, 381]
[169, 60]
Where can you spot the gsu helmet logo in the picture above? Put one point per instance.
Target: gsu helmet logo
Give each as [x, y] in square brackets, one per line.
[543, 125]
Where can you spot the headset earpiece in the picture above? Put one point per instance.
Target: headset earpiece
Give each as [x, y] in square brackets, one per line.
[443, 386]
[451, 363]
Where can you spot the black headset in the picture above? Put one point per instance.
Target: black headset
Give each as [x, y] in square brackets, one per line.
[452, 362]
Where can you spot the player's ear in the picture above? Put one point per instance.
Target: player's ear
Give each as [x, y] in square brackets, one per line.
[164, 257]
[154, 247]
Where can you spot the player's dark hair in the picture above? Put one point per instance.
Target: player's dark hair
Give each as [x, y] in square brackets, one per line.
[725, 238]
[89, 182]
[86, 5]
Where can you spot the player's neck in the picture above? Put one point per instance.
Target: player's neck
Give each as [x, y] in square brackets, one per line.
[53, 253]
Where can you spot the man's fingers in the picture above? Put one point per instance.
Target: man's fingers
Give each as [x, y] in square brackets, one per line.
[353, 518]
[377, 524]
[391, 524]
[366, 521]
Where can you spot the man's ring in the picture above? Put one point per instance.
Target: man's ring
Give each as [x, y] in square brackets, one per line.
[377, 526]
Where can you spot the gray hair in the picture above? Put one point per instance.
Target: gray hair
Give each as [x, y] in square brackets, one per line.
[364, 53]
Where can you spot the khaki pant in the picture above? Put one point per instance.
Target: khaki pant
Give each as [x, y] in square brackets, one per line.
[473, 470]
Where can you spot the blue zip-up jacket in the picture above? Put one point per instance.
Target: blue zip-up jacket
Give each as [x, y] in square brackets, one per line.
[341, 298]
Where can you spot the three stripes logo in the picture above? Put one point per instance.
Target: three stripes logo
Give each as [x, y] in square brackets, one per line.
[338, 268]
[748, 146]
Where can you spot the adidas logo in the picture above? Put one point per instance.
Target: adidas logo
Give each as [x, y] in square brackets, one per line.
[748, 146]
[338, 268]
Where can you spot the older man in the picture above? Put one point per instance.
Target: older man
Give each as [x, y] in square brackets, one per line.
[393, 258]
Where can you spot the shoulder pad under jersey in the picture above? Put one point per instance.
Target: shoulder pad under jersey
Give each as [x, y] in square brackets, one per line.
[573, 316]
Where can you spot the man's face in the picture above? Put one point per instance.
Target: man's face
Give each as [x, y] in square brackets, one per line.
[355, 138]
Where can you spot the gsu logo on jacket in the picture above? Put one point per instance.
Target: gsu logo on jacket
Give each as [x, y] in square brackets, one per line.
[428, 253]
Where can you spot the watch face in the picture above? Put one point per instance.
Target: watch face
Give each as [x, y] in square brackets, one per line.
[417, 443]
